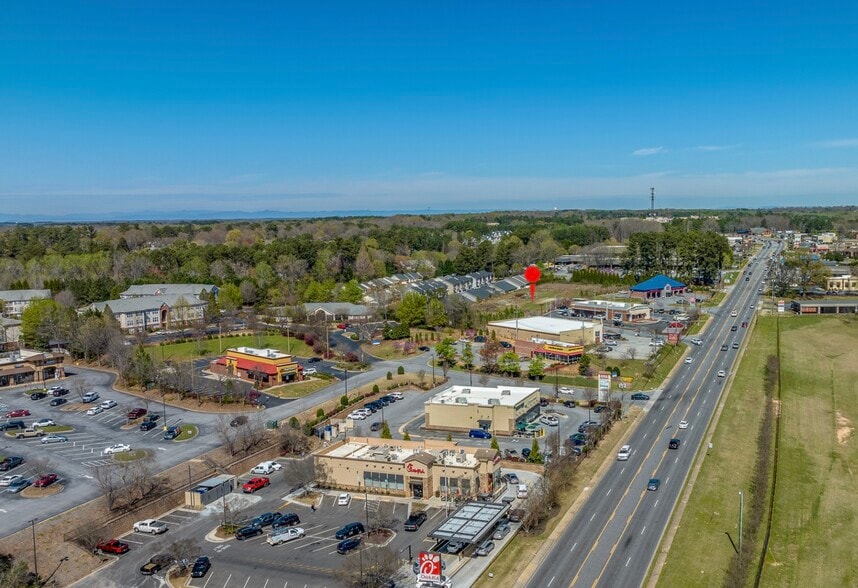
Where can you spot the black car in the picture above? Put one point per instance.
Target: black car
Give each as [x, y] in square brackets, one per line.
[416, 519]
[479, 339]
[424, 348]
[569, 403]
[286, 519]
[148, 425]
[59, 392]
[543, 402]
[264, 519]
[525, 453]
[151, 417]
[314, 360]
[201, 567]
[349, 530]
[248, 532]
[734, 328]
[156, 564]
[11, 425]
[506, 345]
[238, 421]
[673, 444]
[172, 432]
[600, 408]
[10, 462]
[639, 396]
[376, 426]
[38, 395]
[384, 400]
[58, 401]
[348, 545]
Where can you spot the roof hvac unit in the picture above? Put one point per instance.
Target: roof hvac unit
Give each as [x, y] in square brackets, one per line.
[494, 401]
[461, 401]
[506, 392]
[466, 390]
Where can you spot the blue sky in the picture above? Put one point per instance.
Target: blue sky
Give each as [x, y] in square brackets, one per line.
[124, 106]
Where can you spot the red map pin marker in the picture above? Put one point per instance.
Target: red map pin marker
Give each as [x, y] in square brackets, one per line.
[531, 274]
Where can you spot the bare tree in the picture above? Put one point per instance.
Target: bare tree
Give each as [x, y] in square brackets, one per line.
[79, 387]
[380, 566]
[631, 353]
[40, 465]
[108, 481]
[184, 549]
[294, 441]
[228, 434]
[300, 473]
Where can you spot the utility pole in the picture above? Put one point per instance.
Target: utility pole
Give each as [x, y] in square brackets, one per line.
[35, 560]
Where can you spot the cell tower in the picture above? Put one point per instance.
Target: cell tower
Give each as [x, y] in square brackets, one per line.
[652, 202]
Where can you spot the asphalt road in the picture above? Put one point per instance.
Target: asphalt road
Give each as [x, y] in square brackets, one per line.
[613, 539]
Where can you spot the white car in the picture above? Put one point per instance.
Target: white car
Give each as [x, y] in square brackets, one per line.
[688, 359]
[8, 480]
[266, 467]
[116, 448]
[153, 526]
[108, 404]
[310, 371]
[43, 423]
[397, 395]
[566, 390]
[734, 313]
[365, 412]
[683, 424]
[357, 415]
[344, 499]
[551, 421]
[752, 307]
[94, 410]
[721, 373]
[624, 453]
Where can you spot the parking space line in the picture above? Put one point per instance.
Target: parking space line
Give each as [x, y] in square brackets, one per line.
[227, 581]
[247, 581]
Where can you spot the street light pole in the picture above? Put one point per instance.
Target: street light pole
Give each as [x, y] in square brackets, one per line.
[35, 559]
[433, 370]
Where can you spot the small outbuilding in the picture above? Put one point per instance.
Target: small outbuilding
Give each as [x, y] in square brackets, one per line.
[658, 286]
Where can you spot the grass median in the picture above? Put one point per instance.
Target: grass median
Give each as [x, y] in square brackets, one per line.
[212, 347]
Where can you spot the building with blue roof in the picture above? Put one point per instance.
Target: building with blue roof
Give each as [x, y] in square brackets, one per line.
[658, 286]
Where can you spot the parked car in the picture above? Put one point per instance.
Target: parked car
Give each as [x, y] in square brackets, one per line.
[343, 547]
[349, 530]
[285, 534]
[413, 522]
[116, 448]
[172, 432]
[485, 548]
[254, 484]
[10, 479]
[38, 395]
[58, 391]
[286, 519]
[58, 401]
[506, 345]
[12, 425]
[511, 478]
[114, 546]
[136, 413]
[94, 411]
[525, 453]
[551, 421]
[639, 396]
[266, 467]
[148, 425]
[18, 485]
[45, 481]
[264, 519]
[47, 440]
[424, 348]
[9, 462]
[90, 397]
[43, 423]
[28, 433]
[156, 564]
[397, 395]
[357, 415]
[18, 412]
[566, 390]
[202, 565]
[310, 371]
[479, 434]
[653, 484]
[314, 360]
[344, 499]
[248, 533]
[105, 404]
[455, 547]
[151, 417]
[376, 426]
[600, 408]
[152, 526]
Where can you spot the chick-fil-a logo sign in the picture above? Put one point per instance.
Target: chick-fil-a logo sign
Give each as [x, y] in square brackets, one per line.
[412, 469]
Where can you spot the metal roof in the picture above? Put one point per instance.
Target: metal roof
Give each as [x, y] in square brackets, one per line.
[471, 522]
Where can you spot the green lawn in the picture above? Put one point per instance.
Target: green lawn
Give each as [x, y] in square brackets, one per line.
[58, 429]
[189, 431]
[299, 389]
[213, 347]
[132, 455]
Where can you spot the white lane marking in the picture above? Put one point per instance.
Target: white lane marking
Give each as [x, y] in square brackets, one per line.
[628, 561]
[608, 493]
[247, 582]
[550, 581]
[208, 580]
[643, 530]
[592, 517]
[666, 481]
[676, 460]
[645, 434]
[573, 547]
[227, 581]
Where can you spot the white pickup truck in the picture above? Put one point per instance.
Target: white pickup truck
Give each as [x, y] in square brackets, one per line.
[150, 526]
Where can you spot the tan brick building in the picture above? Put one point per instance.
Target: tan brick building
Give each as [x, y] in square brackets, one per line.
[414, 469]
[497, 410]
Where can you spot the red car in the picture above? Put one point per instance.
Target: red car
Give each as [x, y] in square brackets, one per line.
[114, 546]
[45, 481]
[136, 413]
[255, 484]
[18, 412]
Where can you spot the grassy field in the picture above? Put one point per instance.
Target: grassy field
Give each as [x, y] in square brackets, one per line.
[300, 389]
[702, 548]
[212, 348]
[814, 524]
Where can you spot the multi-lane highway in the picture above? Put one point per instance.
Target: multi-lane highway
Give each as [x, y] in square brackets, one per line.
[613, 538]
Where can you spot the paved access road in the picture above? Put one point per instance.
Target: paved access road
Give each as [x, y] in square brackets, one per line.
[614, 537]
